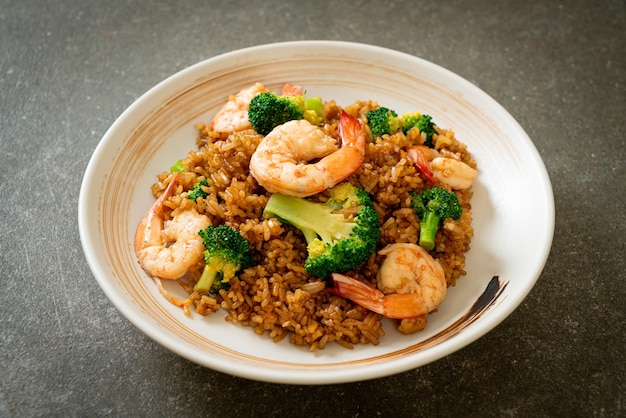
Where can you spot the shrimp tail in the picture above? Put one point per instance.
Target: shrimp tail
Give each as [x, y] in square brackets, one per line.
[351, 131]
[150, 226]
[421, 162]
[394, 305]
[358, 292]
[167, 295]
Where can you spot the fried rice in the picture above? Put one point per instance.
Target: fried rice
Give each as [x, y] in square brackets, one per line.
[277, 297]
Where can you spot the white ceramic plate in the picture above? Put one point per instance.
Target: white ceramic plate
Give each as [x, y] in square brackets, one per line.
[512, 192]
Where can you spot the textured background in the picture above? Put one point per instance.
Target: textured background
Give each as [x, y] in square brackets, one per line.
[68, 68]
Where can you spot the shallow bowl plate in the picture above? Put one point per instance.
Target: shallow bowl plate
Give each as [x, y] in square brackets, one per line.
[511, 192]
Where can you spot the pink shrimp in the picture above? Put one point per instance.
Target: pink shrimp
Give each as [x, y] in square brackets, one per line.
[421, 162]
[169, 252]
[277, 162]
[410, 284]
[449, 171]
[233, 116]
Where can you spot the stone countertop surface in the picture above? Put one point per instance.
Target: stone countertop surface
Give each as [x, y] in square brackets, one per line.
[69, 68]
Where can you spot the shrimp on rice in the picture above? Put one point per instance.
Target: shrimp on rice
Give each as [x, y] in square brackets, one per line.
[168, 253]
[277, 164]
[410, 284]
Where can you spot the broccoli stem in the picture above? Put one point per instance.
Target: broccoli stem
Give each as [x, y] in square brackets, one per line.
[177, 167]
[315, 104]
[213, 272]
[428, 229]
[206, 279]
[313, 219]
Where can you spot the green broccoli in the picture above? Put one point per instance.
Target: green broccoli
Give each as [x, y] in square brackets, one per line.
[383, 121]
[226, 253]
[314, 109]
[268, 110]
[197, 190]
[177, 167]
[432, 206]
[423, 122]
[335, 243]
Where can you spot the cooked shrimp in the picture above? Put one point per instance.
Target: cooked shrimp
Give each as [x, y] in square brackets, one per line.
[454, 173]
[421, 160]
[233, 116]
[292, 90]
[277, 162]
[410, 284]
[169, 252]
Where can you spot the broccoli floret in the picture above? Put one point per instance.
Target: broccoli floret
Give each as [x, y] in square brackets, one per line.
[268, 110]
[383, 121]
[197, 190]
[423, 122]
[335, 243]
[226, 253]
[432, 206]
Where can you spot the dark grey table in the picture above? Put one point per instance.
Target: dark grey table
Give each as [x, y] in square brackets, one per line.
[68, 68]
